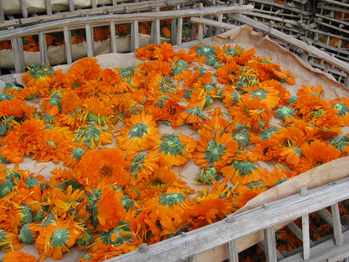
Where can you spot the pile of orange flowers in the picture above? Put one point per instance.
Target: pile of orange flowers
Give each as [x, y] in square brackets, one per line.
[117, 187]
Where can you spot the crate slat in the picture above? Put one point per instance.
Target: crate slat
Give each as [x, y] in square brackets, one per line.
[67, 45]
[113, 47]
[337, 230]
[233, 251]
[43, 48]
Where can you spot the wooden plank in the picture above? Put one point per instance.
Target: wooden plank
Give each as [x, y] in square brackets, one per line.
[48, 7]
[43, 48]
[71, 5]
[67, 45]
[269, 237]
[179, 31]
[346, 80]
[233, 251]
[80, 22]
[336, 3]
[293, 41]
[133, 7]
[220, 20]
[113, 48]
[89, 40]
[280, 6]
[262, 244]
[332, 19]
[201, 26]
[134, 36]
[94, 4]
[305, 236]
[221, 232]
[155, 28]
[173, 31]
[337, 230]
[2, 16]
[24, 9]
[18, 54]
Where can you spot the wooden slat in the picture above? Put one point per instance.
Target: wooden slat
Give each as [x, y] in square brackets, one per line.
[94, 4]
[212, 23]
[173, 31]
[179, 31]
[233, 251]
[306, 237]
[155, 28]
[325, 215]
[48, 7]
[269, 237]
[71, 5]
[134, 36]
[101, 20]
[113, 48]
[67, 45]
[2, 16]
[262, 244]
[337, 230]
[201, 26]
[24, 9]
[220, 19]
[191, 259]
[89, 40]
[43, 48]
[18, 54]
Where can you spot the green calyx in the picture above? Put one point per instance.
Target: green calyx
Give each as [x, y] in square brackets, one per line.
[233, 51]
[205, 50]
[138, 130]
[137, 163]
[171, 199]
[207, 176]
[214, 151]
[26, 235]
[244, 167]
[60, 237]
[242, 137]
[196, 111]
[171, 144]
[261, 94]
[268, 133]
[284, 112]
[108, 237]
[342, 108]
[78, 153]
[211, 60]
[38, 71]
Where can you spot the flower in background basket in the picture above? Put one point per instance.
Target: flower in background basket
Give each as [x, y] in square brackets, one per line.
[215, 148]
[104, 166]
[176, 148]
[137, 134]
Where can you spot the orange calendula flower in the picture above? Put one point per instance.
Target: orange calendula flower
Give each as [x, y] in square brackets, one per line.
[275, 178]
[22, 140]
[104, 166]
[41, 76]
[268, 95]
[290, 155]
[342, 107]
[105, 205]
[243, 172]
[82, 71]
[9, 242]
[191, 116]
[176, 149]
[89, 136]
[315, 154]
[137, 134]
[215, 148]
[19, 256]
[57, 238]
[236, 54]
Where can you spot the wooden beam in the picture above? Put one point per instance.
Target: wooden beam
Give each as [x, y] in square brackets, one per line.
[173, 31]
[89, 39]
[71, 5]
[48, 7]
[67, 45]
[2, 16]
[201, 26]
[325, 215]
[134, 36]
[337, 230]
[155, 28]
[298, 232]
[43, 49]
[212, 23]
[269, 237]
[24, 9]
[17, 48]
[113, 47]
[305, 236]
[233, 251]
[80, 22]
[179, 31]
